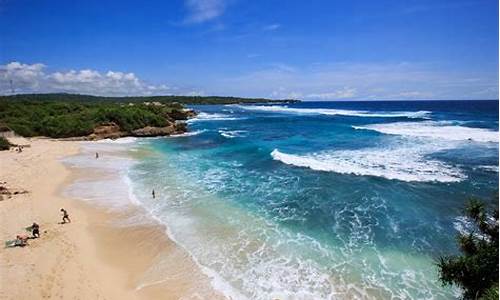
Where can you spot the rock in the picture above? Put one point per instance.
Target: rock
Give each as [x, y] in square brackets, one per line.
[154, 131]
[182, 114]
[106, 131]
[180, 127]
[106, 128]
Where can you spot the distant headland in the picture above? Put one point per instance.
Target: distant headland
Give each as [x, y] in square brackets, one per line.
[194, 100]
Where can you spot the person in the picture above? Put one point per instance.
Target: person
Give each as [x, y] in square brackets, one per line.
[65, 216]
[96, 155]
[35, 230]
[21, 241]
[153, 193]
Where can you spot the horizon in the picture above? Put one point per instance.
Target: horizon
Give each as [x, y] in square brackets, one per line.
[321, 51]
[218, 96]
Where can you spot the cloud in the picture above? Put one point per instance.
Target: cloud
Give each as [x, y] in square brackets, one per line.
[271, 27]
[358, 81]
[26, 78]
[344, 93]
[20, 74]
[200, 11]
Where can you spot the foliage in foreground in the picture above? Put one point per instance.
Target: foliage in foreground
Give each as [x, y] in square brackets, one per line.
[59, 119]
[476, 270]
[4, 144]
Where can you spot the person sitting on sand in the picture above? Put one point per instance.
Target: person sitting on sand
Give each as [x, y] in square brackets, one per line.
[35, 230]
[65, 216]
[21, 240]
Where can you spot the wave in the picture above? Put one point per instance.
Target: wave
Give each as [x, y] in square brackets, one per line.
[123, 140]
[435, 129]
[493, 169]
[340, 112]
[401, 163]
[189, 133]
[232, 133]
[203, 116]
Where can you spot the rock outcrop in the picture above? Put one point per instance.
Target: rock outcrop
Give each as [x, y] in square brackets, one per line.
[154, 131]
[113, 131]
[107, 131]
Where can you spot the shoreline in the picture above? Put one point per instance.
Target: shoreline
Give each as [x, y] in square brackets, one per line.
[92, 257]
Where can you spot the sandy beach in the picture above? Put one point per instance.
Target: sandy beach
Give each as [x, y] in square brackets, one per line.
[88, 258]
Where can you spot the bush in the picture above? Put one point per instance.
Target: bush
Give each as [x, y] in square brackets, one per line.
[4, 144]
[61, 119]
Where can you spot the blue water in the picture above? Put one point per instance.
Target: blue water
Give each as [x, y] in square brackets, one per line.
[323, 200]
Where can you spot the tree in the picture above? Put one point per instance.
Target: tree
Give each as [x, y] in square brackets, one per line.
[475, 271]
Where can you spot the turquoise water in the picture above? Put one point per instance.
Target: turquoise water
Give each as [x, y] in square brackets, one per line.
[322, 200]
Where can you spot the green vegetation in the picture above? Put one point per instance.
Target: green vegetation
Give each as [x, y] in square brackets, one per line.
[60, 119]
[476, 270]
[4, 144]
[73, 115]
[161, 99]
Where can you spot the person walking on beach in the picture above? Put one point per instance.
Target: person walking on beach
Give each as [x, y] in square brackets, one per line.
[65, 216]
[35, 230]
[153, 193]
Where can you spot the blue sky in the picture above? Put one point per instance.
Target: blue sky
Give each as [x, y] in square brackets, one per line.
[315, 50]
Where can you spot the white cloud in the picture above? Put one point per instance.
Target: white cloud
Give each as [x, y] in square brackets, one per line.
[283, 93]
[271, 27]
[20, 74]
[200, 11]
[344, 93]
[26, 78]
[391, 81]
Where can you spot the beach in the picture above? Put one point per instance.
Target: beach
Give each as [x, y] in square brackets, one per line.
[88, 258]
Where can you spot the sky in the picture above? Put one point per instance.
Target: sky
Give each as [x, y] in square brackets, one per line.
[309, 50]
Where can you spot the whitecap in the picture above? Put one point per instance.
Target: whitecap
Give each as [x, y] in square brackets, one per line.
[493, 169]
[203, 116]
[335, 112]
[189, 133]
[232, 133]
[405, 163]
[435, 129]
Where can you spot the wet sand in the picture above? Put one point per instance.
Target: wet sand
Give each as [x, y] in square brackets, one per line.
[96, 256]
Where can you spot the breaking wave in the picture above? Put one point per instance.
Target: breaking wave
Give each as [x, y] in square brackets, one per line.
[341, 112]
[435, 129]
[189, 133]
[401, 163]
[203, 116]
[232, 133]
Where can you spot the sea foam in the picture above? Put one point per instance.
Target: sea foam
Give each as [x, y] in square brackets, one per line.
[435, 129]
[203, 116]
[232, 133]
[335, 112]
[403, 163]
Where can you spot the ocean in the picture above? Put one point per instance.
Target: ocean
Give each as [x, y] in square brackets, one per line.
[318, 200]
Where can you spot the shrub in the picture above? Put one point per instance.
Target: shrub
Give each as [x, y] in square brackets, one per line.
[4, 144]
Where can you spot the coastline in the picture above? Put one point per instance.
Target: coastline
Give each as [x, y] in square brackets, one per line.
[90, 258]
